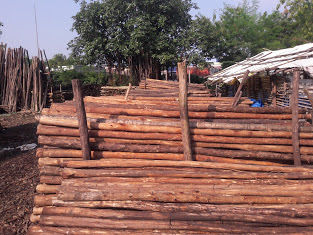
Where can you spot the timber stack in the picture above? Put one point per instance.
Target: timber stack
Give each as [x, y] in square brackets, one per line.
[150, 128]
[112, 196]
[23, 82]
[137, 182]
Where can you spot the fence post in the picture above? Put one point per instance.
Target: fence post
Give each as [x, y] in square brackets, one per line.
[183, 103]
[82, 119]
[295, 117]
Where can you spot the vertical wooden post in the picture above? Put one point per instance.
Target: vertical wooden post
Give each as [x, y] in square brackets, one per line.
[128, 90]
[274, 91]
[237, 96]
[82, 120]
[145, 83]
[189, 75]
[183, 102]
[295, 117]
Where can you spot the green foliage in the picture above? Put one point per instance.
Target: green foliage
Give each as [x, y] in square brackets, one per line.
[238, 33]
[241, 32]
[196, 79]
[59, 60]
[300, 12]
[142, 34]
[87, 77]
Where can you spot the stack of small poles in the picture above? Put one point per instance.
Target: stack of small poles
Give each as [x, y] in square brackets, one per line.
[111, 196]
[23, 82]
[146, 127]
[137, 182]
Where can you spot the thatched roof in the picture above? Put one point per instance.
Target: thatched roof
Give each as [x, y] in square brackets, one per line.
[269, 61]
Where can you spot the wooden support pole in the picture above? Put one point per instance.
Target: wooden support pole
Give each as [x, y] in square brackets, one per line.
[237, 96]
[274, 91]
[295, 118]
[82, 120]
[183, 91]
[128, 90]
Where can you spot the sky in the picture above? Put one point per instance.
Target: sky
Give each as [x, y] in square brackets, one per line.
[54, 19]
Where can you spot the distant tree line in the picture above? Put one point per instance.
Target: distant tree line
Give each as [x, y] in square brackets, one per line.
[149, 35]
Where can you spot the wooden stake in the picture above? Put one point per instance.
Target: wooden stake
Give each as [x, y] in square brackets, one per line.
[274, 92]
[237, 96]
[82, 120]
[128, 90]
[183, 91]
[295, 118]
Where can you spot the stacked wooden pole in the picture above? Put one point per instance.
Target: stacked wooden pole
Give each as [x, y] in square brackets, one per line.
[22, 83]
[171, 197]
[148, 129]
[137, 182]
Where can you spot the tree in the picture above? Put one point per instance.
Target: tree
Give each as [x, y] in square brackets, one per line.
[144, 34]
[203, 40]
[59, 60]
[301, 14]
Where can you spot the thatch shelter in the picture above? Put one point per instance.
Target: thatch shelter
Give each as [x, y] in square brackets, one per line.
[270, 75]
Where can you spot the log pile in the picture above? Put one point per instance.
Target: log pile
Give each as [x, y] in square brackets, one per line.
[171, 197]
[23, 83]
[140, 128]
[158, 88]
[113, 90]
[137, 182]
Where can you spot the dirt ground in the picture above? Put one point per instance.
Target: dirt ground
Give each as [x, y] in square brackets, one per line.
[19, 173]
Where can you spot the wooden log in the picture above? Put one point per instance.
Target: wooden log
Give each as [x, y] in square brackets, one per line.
[274, 91]
[256, 155]
[61, 221]
[53, 180]
[128, 90]
[82, 120]
[295, 118]
[171, 135]
[146, 194]
[47, 189]
[243, 82]
[105, 143]
[68, 121]
[292, 211]
[197, 107]
[156, 163]
[49, 230]
[175, 114]
[56, 153]
[183, 103]
[177, 216]
[178, 173]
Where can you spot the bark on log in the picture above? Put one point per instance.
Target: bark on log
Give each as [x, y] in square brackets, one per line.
[184, 119]
[82, 119]
[295, 118]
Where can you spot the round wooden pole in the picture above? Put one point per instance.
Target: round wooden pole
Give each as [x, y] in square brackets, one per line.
[82, 119]
[183, 91]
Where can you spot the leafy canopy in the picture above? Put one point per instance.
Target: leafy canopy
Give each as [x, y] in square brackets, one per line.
[133, 32]
[300, 13]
